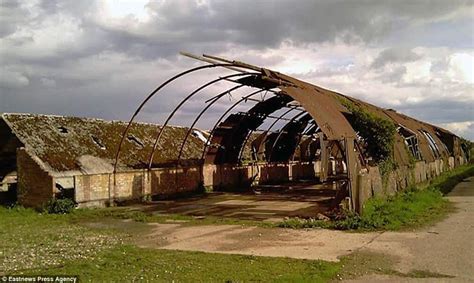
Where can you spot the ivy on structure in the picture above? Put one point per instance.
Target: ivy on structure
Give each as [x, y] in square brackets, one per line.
[377, 132]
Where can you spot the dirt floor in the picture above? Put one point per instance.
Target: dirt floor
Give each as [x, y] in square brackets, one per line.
[266, 203]
[445, 249]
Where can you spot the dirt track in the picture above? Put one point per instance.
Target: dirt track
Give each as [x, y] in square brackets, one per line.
[446, 248]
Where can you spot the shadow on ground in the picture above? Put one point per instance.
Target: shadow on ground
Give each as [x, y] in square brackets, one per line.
[269, 202]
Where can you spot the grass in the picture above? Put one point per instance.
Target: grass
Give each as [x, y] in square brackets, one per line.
[411, 208]
[129, 263]
[29, 239]
[363, 263]
[35, 243]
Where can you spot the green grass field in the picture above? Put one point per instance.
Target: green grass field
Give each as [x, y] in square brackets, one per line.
[33, 243]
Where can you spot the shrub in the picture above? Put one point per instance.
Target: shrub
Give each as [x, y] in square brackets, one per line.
[378, 132]
[59, 206]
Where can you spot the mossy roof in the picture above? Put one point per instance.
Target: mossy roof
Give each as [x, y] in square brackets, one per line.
[60, 141]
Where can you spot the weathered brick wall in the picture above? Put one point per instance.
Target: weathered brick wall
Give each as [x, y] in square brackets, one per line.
[98, 189]
[35, 186]
[92, 188]
[227, 176]
[274, 172]
[304, 170]
[171, 181]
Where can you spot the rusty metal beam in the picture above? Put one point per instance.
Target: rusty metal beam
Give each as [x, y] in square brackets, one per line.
[160, 131]
[265, 133]
[232, 133]
[281, 132]
[199, 116]
[153, 93]
[245, 98]
[207, 60]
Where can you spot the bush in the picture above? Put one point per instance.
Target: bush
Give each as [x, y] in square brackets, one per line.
[60, 206]
[378, 132]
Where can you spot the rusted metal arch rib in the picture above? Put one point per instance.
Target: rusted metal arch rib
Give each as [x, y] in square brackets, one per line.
[211, 133]
[161, 130]
[266, 132]
[117, 155]
[309, 131]
[199, 116]
[281, 132]
[313, 127]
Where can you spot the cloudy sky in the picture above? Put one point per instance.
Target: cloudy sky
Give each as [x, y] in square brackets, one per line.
[100, 58]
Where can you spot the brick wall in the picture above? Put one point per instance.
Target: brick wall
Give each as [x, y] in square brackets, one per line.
[92, 190]
[166, 182]
[98, 189]
[35, 186]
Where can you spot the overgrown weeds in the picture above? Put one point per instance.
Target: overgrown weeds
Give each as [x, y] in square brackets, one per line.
[59, 206]
[412, 207]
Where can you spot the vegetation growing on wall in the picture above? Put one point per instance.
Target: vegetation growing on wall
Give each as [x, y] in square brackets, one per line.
[379, 133]
[412, 207]
[468, 148]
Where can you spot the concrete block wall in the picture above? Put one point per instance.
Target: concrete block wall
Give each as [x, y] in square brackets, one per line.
[35, 185]
[172, 181]
[274, 172]
[306, 170]
[372, 185]
[92, 190]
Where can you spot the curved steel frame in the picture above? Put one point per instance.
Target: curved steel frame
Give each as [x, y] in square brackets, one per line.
[281, 132]
[272, 79]
[211, 134]
[117, 155]
[161, 130]
[266, 132]
[199, 116]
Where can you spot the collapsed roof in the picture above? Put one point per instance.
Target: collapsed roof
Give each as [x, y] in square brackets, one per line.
[332, 115]
[326, 110]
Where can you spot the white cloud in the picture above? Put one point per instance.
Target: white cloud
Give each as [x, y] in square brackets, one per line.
[461, 67]
[107, 55]
[419, 71]
[461, 128]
